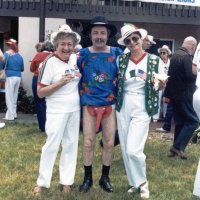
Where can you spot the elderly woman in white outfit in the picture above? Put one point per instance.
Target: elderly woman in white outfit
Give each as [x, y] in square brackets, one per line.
[58, 82]
[196, 105]
[137, 101]
[164, 53]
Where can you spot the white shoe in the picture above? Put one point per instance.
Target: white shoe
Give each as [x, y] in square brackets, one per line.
[144, 190]
[132, 189]
[162, 130]
[2, 124]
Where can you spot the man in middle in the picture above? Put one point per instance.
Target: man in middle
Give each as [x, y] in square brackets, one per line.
[97, 64]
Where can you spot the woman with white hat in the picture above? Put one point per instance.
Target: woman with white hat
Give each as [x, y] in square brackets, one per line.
[58, 81]
[165, 53]
[137, 101]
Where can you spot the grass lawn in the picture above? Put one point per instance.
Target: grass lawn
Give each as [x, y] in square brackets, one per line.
[20, 147]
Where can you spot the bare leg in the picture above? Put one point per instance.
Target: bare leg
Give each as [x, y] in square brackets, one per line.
[109, 127]
[89, 133]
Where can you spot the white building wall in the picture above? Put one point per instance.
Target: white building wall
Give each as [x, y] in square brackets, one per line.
[28, 37]
[53, 24]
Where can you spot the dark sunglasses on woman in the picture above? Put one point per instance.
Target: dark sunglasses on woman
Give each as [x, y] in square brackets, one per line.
[134, 38]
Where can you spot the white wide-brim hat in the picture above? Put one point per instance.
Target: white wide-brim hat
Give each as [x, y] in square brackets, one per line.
[165, 47]
[65, 28]
[127, 30]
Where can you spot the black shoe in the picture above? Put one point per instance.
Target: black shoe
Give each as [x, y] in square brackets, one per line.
[86, 185]
[104, 182]
[101, 143]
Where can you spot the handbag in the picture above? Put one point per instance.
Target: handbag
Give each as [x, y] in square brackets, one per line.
[3, 71]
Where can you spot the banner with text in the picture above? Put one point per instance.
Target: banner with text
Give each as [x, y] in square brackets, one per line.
[177, 2]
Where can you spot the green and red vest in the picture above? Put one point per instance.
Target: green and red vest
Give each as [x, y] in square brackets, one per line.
[151, 95]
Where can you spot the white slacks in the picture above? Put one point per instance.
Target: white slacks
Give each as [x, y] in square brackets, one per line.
[196, 190]
[12, 89]
[196, 102]
[60, 128]
[133, 126]
[196, 105]
[157, 115]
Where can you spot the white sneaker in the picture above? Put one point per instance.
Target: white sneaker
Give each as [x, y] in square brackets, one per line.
[2, 124]
[132, 189]
[162, 130]
[144, 190]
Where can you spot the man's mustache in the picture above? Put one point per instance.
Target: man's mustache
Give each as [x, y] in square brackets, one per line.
[99, 40]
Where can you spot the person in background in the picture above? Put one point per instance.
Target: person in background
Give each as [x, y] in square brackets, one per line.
[137, 101]
[167, 109]
[38, 47]
[14, 64]
[58, 82]
[97, 64]
[179, 91]
[2, 124]
[40, 103]
[148, 42]
[196, 105]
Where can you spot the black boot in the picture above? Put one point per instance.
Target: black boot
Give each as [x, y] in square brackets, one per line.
[86, 185]
[104, 182]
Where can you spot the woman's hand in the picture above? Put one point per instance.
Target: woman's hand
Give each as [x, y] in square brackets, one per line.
[66, 78]
[162, 84]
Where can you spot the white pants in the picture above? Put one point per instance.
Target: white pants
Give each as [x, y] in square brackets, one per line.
[133, 126]
[196, 190]
[196, 102]
[157, 115]
[60, 128]
[196, 105]
[12, 89]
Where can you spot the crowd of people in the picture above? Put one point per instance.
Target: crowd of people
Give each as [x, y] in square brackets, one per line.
[108, 89]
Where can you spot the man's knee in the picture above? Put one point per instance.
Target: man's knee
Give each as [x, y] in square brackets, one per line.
[88, 144]
[108, 143]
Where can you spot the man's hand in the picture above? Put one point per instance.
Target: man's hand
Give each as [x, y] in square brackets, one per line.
[166, 100]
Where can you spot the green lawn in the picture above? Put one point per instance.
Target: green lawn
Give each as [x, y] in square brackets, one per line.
[20, 147]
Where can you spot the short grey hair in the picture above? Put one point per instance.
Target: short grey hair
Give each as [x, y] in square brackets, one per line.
[63, 35]
[47, 46]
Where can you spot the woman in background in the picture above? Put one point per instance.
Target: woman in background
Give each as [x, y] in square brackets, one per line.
[14, 64]
[40, 104]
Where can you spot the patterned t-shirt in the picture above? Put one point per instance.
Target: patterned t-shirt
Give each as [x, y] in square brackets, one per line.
[99, 75]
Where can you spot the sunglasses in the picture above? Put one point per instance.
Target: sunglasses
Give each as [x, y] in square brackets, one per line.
[163, 53]
[131, 39]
